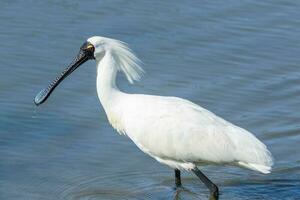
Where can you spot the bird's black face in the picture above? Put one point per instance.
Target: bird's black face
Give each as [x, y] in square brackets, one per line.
[88, 49]
[85, 53]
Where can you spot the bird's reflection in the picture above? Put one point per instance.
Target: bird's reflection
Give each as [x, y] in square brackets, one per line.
[179, 190]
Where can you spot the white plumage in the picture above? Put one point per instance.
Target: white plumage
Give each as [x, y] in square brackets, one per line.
[174, 131]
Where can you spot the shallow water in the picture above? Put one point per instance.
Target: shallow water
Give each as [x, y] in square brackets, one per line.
[237, 59]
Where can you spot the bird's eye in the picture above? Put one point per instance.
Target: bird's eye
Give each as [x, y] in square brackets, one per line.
[89, 46]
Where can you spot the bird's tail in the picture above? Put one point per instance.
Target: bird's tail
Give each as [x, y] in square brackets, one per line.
[252, 153]
[257, 167]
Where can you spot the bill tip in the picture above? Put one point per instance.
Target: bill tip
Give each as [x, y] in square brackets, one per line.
[40, 97]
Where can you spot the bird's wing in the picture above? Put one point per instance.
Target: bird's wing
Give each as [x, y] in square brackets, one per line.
[175, 128]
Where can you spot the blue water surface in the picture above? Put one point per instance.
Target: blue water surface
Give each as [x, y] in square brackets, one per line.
[239, 59]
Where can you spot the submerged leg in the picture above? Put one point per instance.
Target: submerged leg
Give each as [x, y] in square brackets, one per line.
[177, 178]
[214, 191]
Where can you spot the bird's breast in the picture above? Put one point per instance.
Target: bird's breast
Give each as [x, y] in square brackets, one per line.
[115, 121]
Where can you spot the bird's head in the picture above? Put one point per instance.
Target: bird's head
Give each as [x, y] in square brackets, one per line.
[95, 48]
[89, 50]
[100, 46]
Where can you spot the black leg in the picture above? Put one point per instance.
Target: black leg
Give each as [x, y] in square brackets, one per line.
[214, 191]
[177, 178]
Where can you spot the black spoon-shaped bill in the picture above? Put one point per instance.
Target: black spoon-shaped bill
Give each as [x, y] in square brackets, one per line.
[86, 52]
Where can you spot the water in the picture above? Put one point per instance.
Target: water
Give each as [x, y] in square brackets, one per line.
[239, 59]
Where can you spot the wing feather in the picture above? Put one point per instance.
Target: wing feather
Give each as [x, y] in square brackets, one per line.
[177, 129]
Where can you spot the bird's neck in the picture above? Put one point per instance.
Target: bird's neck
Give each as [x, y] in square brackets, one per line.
[106, 80]
[108, 92]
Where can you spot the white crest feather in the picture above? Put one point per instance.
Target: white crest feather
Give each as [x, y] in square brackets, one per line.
[126, 60]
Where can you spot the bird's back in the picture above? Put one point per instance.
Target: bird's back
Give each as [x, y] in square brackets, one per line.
[177, 129]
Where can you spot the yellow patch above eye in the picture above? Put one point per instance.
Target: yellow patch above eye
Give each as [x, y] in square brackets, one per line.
[89, 46]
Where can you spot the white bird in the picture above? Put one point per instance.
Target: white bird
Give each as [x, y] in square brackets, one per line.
[174, 131]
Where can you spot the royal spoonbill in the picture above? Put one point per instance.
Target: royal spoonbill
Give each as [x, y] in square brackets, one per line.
[174, 131]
